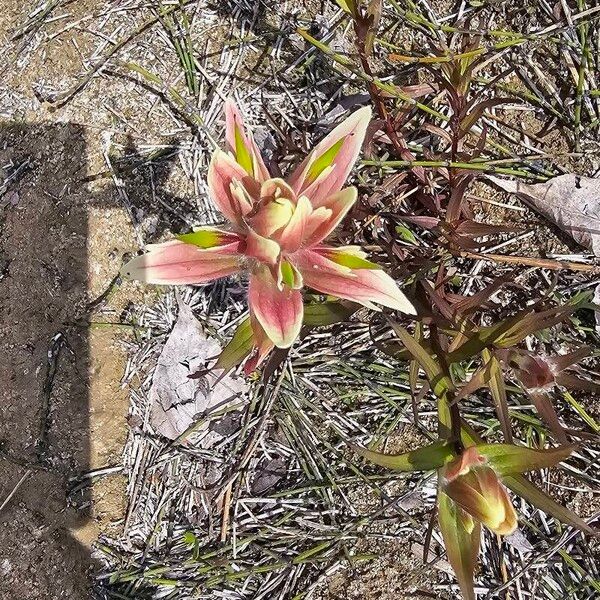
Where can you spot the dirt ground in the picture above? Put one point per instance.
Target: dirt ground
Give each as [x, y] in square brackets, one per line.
[62, 410]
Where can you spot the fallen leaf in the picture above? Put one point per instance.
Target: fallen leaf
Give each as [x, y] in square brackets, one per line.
[519, 541]
[268, 475]
[570, 201]
[178, 401]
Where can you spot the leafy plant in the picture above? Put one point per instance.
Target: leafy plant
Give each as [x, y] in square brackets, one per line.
[460, 334]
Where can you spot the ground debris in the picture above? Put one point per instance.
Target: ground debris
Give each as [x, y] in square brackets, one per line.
[570, 201]
[178, 400]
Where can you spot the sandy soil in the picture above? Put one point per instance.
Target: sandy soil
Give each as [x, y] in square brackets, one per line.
[64, 416]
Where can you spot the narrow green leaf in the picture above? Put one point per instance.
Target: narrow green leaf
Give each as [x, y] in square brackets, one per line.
[189, 538]
[481, 339]
[238, 348]
[203, 238]
[287, 273]
[324, 161]
[428, 458]
[508, 459]
[352, 261]
[348, 6]
[328, 313]
[440, 382]
[406, 234]
[498, 392]
[462, 537]
[242, 154]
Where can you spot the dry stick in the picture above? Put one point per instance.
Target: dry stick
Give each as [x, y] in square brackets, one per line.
[14, 490]
[542, 263]
[226, 511]
[56, 345]
[67, 95]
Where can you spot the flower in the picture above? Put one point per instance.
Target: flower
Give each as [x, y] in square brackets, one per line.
[477, 490]
[276, 230]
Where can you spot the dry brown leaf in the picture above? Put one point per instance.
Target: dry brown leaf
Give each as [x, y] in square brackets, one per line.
[178, 401]
[570, 201]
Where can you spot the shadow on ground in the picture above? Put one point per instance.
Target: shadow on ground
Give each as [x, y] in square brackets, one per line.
[44, 362]
[61, 410]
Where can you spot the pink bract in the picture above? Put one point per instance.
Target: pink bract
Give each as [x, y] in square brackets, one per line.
[276, 232]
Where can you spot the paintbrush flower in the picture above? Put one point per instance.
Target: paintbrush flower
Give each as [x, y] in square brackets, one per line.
[476, 488]
[276, 232]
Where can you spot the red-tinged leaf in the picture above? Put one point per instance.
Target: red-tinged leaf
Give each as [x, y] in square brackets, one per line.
[477, 111]
[462, 537]
[564, 361]
[571, 382]
[546, 410]
[442, 133]
[533, 372]
[428, 458]
[479, 379]
[422, 221]
[418, 90]
[536, 321]
[440, 382]
[474, 229]
[481, 339]
[470, 304]
[239, 347]
[438, 301]
[508, 459]
[498, 391]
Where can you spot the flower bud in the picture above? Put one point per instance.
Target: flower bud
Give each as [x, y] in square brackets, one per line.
[475, 487]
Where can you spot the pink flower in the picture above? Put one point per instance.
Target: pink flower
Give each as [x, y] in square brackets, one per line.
[276, 232]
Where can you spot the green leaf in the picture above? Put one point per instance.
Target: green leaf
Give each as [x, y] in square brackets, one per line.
[348, 6]
[440, 382]
[481, 339]
[203, 238]
[406, 234]
[242, 154]
[352, 261]
[498, 391]
[461, 538]
[239, 347]
[189, 538]
[328, 313]
[324, 161]
[508, 459]
[427, 458]
[290, 275]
